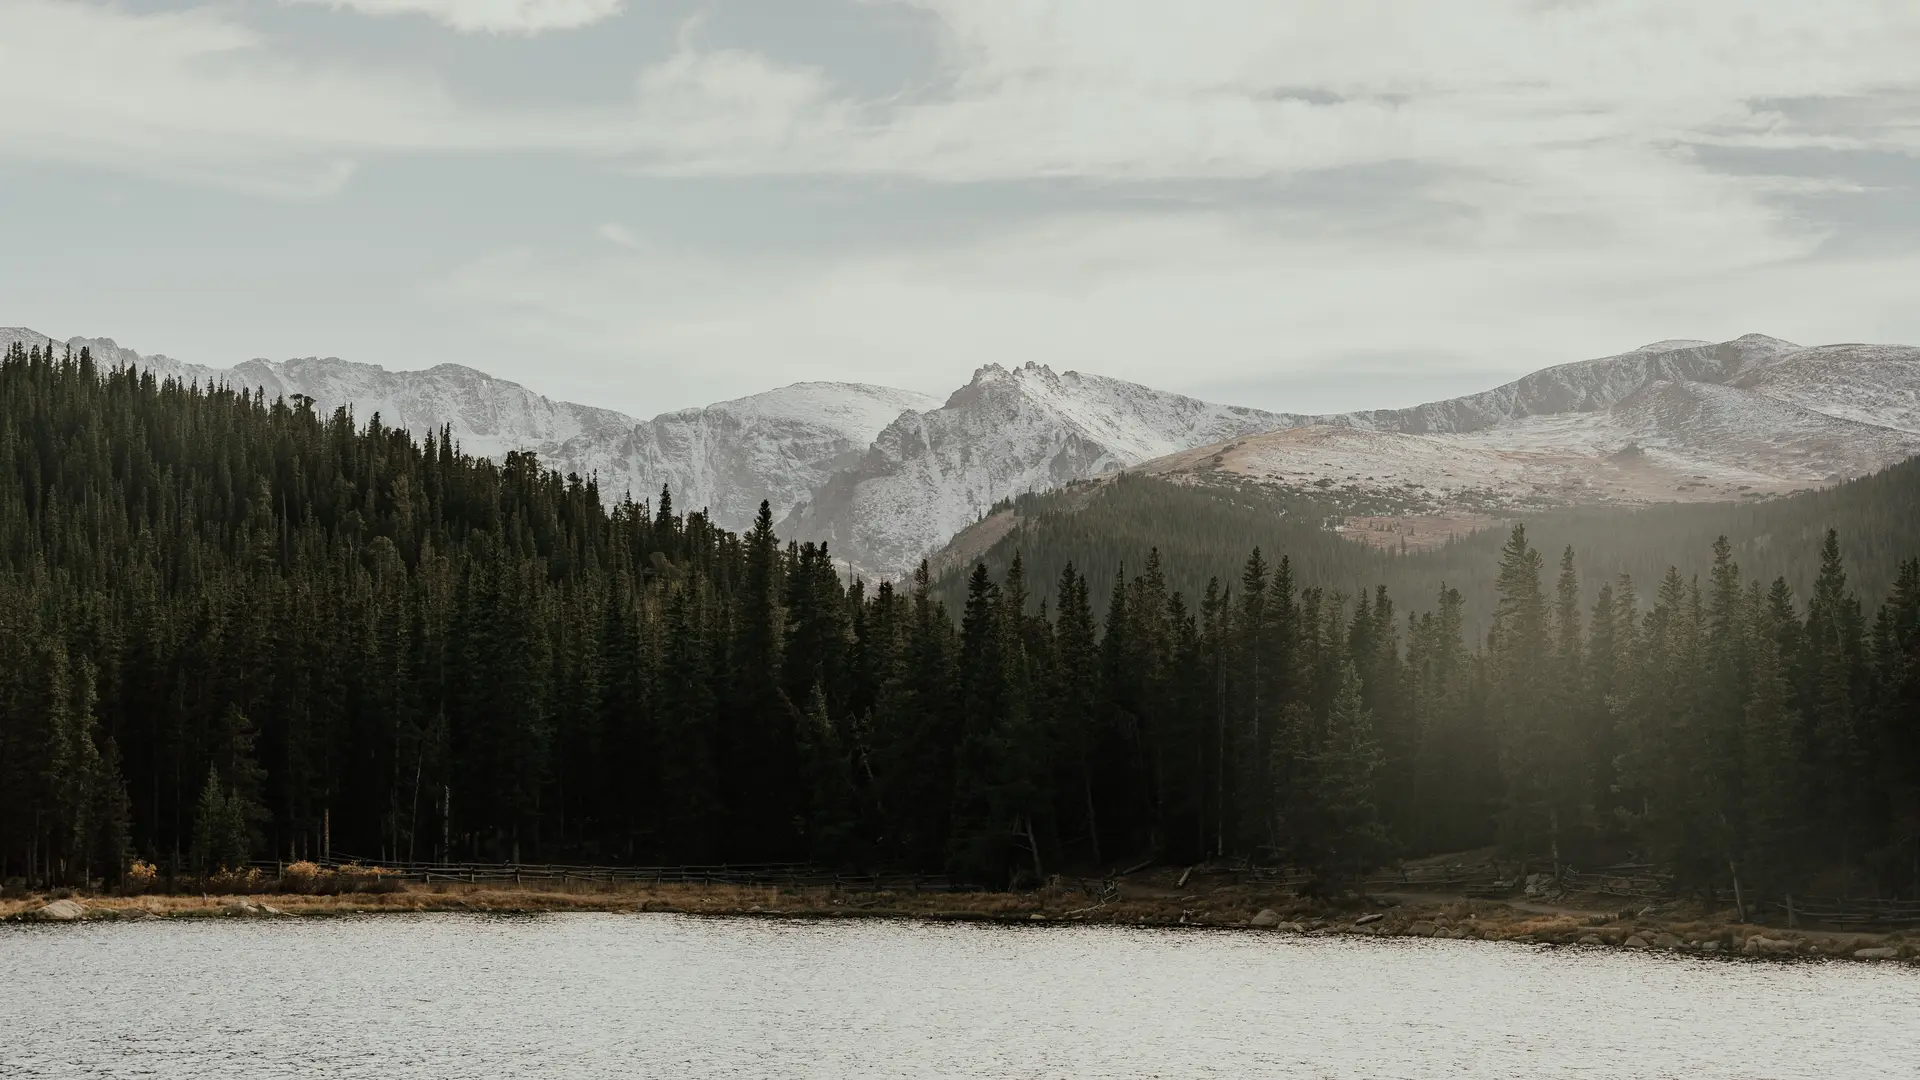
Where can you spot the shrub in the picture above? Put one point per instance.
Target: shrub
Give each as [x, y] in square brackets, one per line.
[141, 877]
[302, 877]
[250, 880]
[316, 880]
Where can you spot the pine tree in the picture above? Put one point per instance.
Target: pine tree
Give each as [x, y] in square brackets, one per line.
[1517, 659]
[110, 817]
[210, 834]
[979, 841]
[1073, 699]
[761, 776]
[1771, 771]
[830, 821]
[240, 772]
[1337, 832]
[1252, 688]
[1831, 664]
[73, 764]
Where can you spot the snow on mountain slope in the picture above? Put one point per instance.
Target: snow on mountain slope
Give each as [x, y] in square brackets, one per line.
[1581, 386]
[777, 446]
[930, 474]
[1872, 384]
[1698, 422]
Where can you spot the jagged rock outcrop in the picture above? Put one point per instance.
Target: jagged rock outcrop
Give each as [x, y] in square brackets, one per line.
[928, 475]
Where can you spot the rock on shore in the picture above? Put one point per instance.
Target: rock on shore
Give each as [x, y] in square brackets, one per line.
[61, 911]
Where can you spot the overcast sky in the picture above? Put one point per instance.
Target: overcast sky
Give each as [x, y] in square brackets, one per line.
[649, 204]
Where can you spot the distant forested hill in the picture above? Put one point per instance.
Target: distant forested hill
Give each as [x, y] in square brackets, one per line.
[1204, 532]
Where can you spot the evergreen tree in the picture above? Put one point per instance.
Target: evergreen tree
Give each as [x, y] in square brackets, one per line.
[1336, 831]
[219, 830]
[830, 821]
[1517, 658]
[110, 817]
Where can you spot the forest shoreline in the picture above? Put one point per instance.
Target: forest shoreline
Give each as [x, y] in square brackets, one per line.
[1571, 924]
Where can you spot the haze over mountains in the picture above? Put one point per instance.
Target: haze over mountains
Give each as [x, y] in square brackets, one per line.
[887, 476]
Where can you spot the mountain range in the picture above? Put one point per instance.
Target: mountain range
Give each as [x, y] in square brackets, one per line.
[888, 476]
[726, 458]
[1678, 421]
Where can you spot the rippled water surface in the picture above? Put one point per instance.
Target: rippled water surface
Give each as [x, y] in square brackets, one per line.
[400, 997]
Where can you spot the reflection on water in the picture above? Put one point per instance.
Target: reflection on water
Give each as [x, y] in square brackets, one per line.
[400, 997]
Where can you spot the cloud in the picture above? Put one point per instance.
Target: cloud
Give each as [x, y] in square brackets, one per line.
[489, 16]
[197, 96]
[1566, 174]
[615, 233]
[1184, 300]
[1110, 92]
[694, 111]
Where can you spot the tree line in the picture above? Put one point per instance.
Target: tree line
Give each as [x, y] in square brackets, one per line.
[1199, 528]
[232, 628]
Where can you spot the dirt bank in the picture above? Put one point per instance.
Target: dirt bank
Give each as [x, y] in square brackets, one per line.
[1593, 923]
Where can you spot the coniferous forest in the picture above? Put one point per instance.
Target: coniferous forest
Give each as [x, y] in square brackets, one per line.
[232, 628]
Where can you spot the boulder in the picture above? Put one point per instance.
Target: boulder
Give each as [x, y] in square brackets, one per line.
[1710, 946]
[1421, 929]
[1265, 917]
[1365, 919]
[61, 911]
[1638, 942]
[1766, 946]
[1881, 953]
[1589, 939]
[1666, 941]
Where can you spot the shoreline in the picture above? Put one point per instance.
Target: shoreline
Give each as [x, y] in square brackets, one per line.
[1404, 916]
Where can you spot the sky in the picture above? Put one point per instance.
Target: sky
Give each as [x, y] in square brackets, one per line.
[652, 204]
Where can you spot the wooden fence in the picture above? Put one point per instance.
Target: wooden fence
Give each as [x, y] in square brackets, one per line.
[1851, 913]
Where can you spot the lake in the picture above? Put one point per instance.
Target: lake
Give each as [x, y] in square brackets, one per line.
[576, 996]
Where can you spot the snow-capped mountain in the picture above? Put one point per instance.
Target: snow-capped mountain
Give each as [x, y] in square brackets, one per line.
[778, 445]
[1674, 421]
[928, 475]
[888, 476]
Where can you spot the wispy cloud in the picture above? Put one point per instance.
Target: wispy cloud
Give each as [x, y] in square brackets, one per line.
[1115, 91]
[489, 16]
